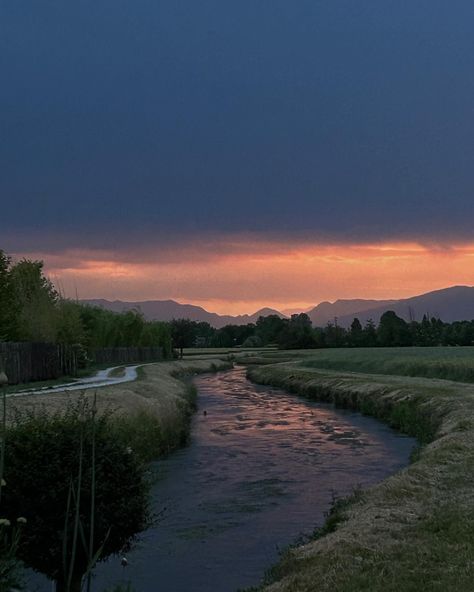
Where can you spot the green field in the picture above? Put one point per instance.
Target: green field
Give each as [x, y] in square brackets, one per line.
[450, 363]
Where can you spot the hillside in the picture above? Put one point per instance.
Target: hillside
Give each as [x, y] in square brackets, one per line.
[166, 310]
[450, 304]
[326, 312]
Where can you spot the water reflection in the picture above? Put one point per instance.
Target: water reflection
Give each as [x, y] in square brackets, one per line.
[261, 469]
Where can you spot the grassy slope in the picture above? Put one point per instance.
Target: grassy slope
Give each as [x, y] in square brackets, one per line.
[415, 530]
[451, 363]
[152, 414]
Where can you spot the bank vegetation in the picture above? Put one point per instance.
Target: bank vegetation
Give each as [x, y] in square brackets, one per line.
[415, 530]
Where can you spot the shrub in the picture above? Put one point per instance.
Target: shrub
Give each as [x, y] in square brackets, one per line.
[82, 491]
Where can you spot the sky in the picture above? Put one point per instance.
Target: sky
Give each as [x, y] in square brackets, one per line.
[239, 154]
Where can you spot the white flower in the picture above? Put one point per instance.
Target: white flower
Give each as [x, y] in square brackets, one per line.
[3, 482]
[21, 520]
[4, 522]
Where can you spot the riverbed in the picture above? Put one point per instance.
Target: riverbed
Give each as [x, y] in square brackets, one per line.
[261, 470]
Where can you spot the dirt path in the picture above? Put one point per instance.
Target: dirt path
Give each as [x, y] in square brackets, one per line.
[101, 378]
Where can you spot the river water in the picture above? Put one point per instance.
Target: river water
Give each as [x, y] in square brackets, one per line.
[261, 469]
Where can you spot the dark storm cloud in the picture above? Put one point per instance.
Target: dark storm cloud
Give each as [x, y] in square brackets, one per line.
[156, 120]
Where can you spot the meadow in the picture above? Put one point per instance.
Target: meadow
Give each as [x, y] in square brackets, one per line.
[450, 363]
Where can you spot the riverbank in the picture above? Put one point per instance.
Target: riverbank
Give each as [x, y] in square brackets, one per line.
[415, 530]
[151, 414]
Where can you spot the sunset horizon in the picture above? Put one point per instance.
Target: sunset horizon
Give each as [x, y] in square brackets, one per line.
[225, 276]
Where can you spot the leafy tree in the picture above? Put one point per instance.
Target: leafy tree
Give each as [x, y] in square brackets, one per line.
[8, 305]
[204, 334]
[233, 335]
[83, 494]
[297, 334]
[183, 333]
[393, 330]
[252, 341]
[36, 299]
[335, 336]
[269, 328]
[356, 335]
[70, 328]
[370, 334]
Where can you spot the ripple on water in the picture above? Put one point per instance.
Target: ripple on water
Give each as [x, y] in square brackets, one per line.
[261, 470]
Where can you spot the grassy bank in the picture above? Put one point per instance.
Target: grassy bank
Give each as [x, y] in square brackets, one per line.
[151, 414]
[451, 363]
[415, 530]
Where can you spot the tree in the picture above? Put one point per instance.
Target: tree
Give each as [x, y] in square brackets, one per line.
[335, 336]
[269, 328]
[183, 333]
[370, 334]
[356, 335]
[36, 299]
[392, 330]
[82, 492]
[233, 335]
[8, 305]
[70, 328]
[297, 334]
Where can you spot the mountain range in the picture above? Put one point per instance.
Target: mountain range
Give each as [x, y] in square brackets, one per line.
[166, 310]
[450, 304]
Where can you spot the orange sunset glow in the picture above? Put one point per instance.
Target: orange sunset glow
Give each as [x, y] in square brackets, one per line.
[235, 278]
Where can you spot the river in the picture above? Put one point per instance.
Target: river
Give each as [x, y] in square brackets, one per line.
[261, 470]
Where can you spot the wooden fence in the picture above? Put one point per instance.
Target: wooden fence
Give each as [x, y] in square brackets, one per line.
[125, 355]
[29, 362]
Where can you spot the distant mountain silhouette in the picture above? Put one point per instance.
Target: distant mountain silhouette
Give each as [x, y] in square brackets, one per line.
[327, 312]
[450, 304]
[166, 310]
[291, 311]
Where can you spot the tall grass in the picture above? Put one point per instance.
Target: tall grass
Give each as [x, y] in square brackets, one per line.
[449, 363]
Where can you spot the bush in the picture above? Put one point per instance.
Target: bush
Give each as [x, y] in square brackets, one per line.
[82, 491]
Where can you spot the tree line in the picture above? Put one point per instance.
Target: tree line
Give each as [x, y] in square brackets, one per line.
[298, 333]
[32, 309]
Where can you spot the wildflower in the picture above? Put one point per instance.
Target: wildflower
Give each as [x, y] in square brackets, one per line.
[21, 520]
[3, 483]
[128, 450]
[4, 522]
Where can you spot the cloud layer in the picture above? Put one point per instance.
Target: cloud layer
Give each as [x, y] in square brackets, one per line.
[239, 152]
[332, 121]
[238, 280]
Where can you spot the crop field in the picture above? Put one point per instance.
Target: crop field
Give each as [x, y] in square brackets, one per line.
[449, 363]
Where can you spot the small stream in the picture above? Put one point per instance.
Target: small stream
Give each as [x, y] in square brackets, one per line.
[261, 470]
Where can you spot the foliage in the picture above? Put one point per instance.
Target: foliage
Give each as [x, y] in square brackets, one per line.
[8, 305]
[9, 532]
[297, 333]
[31, 309]
[52, 463]
[183, 332]
[36, 298]
[269, 328]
